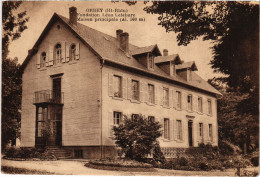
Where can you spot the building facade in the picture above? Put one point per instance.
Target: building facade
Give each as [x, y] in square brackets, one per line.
[78, 83]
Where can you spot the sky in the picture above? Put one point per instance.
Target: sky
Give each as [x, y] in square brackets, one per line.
[141, 33]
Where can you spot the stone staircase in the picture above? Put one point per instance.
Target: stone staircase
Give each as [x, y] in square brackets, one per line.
[60, 152]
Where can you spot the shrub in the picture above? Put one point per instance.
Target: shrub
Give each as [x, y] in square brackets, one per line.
[120, 163]
[255, 161]
[29, 153]
[157, 153]
[137, 137]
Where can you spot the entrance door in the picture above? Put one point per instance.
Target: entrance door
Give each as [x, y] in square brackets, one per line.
[56, 88]
[190, 132]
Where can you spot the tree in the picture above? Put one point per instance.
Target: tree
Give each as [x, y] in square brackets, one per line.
[12, 25]
[137, 136]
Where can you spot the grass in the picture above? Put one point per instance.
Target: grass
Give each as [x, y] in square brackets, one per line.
[14, 170]
[116, 168]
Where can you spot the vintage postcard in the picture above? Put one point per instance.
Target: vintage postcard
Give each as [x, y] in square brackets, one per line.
[130, 88]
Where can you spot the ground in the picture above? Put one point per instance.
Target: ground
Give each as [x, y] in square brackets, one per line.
[76, 167]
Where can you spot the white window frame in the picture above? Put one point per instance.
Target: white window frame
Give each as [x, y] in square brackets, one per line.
[117, 91]
[135, 92]
[179, 130]
[166, 125]
[200, 104]
[151, 95]
[179, 101]
[189, 102]
[209, 107]
[166, 96]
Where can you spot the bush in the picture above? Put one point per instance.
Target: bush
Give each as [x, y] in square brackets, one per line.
[137, 137]
[255, 161]
[28, 153]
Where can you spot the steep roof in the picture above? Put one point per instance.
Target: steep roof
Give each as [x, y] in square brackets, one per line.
[190, 64]
[141, 50]
[163, 59]
[107, 48]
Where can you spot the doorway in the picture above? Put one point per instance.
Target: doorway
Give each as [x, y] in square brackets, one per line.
[190, 124]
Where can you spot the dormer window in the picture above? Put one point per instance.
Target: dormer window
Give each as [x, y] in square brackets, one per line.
[43, 59]
[72, 52]
[150, 61]
[57, 54]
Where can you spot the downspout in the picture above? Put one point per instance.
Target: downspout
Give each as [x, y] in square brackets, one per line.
[101, 108]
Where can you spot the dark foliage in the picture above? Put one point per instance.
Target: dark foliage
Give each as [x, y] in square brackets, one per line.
[13, 24]
[14, 170]
[29, 153]
[137, 137]
[11, 101]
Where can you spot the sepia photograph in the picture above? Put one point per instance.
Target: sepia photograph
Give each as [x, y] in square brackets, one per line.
[130, 88]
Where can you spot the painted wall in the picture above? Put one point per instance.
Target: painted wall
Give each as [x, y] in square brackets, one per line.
[80, 84]
[128, 107]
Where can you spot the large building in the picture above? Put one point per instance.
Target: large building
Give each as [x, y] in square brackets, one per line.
[79, 82]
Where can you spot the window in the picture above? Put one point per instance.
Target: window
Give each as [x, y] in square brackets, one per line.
[78, 153]
[135, 116]
[179, 130]
[135, 90]
[43, 59]
[209, 107]
[210, 132]
[151, 61]
[117, 87]
[72, 52]
[189, 100]
[151, 118]
[117, 118]
[200, 104]
[178, 99]
[57, 54]
[165, 96]
[151, 93]
[166, 128]
[201, 130]
[41, 118]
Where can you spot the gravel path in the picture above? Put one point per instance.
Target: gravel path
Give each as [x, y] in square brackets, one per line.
[76, 167]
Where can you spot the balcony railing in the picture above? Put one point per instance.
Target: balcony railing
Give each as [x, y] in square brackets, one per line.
[48, 96]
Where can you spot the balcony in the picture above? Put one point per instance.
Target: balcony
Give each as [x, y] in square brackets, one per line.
[48, 96]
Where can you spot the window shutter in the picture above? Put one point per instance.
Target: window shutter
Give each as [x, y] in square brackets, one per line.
[110, 123]
[67, 52]
[207, 132]
[129, 88]
[182, 130]
[110, 84]
[142, 96]
[174, 98]
[77, 52]
[63, 52]
[171, 129]
[124, 87]
[184, 100]
[175, 129]
[198, 133]
[156, 94]
[170, 98]
[194, 103]
[145, 92]
[161, 95]
[50, 55]
[38, 60]
[204, 105]
[162, 129]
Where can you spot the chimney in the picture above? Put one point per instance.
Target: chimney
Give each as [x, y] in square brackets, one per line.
[124, 41]
[118, 32]
[73, 15]
[165, 52]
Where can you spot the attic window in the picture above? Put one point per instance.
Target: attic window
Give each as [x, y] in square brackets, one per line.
[151, 61]
[58, 27]
[43, 59]
[72, 52]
